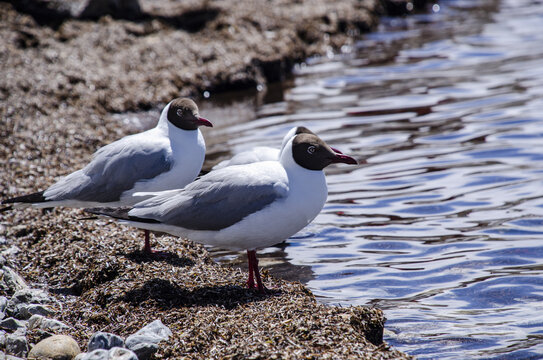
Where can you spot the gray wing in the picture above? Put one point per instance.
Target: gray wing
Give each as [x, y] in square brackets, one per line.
[114, 169]
[216, 200]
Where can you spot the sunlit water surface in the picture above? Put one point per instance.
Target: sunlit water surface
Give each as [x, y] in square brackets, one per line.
[443, 227]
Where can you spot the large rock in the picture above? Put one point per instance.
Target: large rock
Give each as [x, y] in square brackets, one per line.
[145, 341]
[56, 347]
[16, 345]
[103, 340]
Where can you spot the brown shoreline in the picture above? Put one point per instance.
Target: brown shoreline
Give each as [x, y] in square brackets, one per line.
[60, 85]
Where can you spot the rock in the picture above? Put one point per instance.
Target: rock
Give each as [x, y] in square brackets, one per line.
[11, 281]
[56, 347]
[11, 357]
[25, 311]
[43, 323]
[16, 345]
[145, 341]
[103, 340]
[20, 303]
[2, 339]
[118, 353]
[12, 250]
[29, 296]
[144, 350]
[12, 324]
[98, 354]
[3, 306]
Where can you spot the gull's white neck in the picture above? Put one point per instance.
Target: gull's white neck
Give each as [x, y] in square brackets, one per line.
[286, 138]
[307, 187]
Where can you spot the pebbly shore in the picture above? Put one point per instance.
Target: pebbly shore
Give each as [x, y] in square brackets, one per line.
[64, 76]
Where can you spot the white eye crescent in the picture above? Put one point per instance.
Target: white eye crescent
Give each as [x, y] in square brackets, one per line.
[179, 112]
[311, 149]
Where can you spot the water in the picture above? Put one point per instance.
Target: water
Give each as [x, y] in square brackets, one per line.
[443, 227]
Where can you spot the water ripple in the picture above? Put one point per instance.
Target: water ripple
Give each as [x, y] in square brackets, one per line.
[442, 227]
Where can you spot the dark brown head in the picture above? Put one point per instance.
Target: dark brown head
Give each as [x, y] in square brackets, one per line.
[303, 130]
[310, 152]
[183, 113]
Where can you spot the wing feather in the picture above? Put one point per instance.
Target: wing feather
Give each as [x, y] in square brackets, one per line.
[218, 199]
[114, 169]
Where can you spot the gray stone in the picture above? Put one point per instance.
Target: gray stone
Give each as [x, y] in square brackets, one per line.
[144, 350]
[3, 356]
[29, 296]
[43, 323]
[103, 340]
[12, 324]
[16, 345]
[118, 353]
[2, 339]
[25, 311]
[57, 347]
[12, 250]
[3, 306]
[11, 281]
[18, 305]
[145, 341]
[98, 354]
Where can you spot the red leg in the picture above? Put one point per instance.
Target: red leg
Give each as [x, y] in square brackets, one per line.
[147, 245]
[250, 280]
[253, 262]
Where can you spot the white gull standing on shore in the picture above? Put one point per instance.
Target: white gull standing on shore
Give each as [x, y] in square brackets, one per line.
[243, 207]
[166, 157]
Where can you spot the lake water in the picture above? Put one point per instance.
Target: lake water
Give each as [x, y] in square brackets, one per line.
[443, 227]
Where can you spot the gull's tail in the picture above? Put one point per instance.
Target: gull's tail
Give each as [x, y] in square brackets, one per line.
[120, 213]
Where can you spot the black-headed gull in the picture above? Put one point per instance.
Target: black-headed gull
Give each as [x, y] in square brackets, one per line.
[264, 153]
[243, 207]
[166, 157]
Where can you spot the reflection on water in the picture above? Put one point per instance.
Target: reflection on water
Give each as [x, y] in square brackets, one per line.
[443, 227]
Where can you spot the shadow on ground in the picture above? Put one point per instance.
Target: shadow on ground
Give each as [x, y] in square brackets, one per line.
[168, 295]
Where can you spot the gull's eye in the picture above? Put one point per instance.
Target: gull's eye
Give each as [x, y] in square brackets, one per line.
[311, 149]
[179, 112]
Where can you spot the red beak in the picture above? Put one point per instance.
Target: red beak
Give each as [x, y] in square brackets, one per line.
[336, 150]
[204, 122]
[346, 159]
